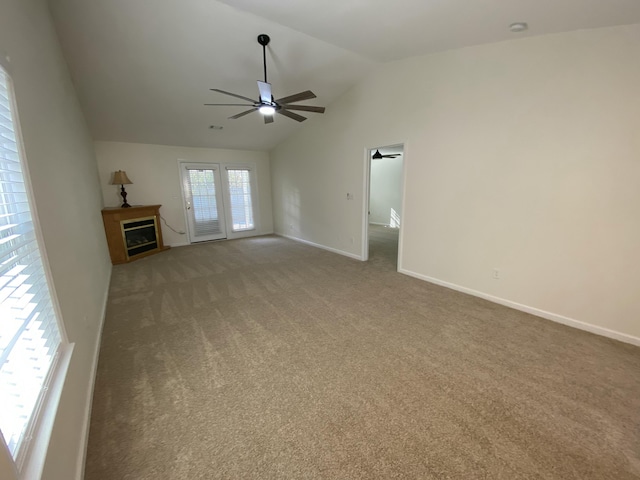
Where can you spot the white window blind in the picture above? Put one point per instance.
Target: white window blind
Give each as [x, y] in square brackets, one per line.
[30, 336]
[202, 189]
[241, 200]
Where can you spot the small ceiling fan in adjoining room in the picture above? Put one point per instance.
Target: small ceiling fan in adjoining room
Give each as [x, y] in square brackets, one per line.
[378, 155]
[266, 104]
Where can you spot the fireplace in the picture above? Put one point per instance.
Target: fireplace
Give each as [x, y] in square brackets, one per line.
[140, 235]
[133, 232]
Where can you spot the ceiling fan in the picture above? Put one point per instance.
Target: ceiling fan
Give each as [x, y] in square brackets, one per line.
[266, 104]
[378, 155]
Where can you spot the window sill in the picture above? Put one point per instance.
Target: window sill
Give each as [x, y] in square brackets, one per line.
[37, 454]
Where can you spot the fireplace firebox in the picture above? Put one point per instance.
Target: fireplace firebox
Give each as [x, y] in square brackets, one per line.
[140, 235]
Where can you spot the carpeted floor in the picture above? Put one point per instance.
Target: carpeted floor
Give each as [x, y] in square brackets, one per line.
[264, 358]
[383, 247]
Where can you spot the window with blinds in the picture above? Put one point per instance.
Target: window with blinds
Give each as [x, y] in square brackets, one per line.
[202, 186]
[240, 198]
[30, 336]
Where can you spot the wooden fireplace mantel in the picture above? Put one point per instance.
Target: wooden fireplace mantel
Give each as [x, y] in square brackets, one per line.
[119, 223]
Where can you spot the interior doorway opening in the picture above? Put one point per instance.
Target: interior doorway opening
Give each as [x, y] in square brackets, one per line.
[383, 212]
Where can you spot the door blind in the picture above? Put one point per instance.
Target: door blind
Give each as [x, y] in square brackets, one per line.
[202, 190]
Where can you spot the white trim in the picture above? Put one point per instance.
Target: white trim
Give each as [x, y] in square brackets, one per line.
[405, 169]
[179, 244]
[366, 201]
[366, 187]
[554, 317]
[34, 461]
[183, 200]
[82, 457]
[323, 247]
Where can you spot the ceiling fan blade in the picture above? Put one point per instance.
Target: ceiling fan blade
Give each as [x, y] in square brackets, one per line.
[265, 92]
[298, 97]
[229, 104]
[390, 156]
[304, 108]
[268, 119]
[242, 114]
[233, 95]
[292, 115]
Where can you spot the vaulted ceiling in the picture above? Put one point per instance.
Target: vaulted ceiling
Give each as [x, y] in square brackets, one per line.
[143, 69]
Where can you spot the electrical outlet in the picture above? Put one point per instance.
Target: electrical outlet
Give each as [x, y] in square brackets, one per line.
[496, 274]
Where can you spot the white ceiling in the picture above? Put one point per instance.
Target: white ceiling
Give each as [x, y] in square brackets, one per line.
[386, 30]
[143, 68]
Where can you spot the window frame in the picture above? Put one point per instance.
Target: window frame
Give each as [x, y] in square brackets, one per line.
[255, 206]
[31, 453]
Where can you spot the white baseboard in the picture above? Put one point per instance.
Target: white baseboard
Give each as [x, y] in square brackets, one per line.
[186, 244]
[92, 381]
[179, 244]
[554, 317]
[381, 224]
[323, 247]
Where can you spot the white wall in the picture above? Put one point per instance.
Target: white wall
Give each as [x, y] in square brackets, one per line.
[385, 191]
[153, 169]
[64, 176]
[521, 155]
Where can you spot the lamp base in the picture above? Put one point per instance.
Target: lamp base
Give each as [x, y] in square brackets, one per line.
[124, 198]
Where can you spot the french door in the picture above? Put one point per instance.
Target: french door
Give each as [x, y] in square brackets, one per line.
[202, 188]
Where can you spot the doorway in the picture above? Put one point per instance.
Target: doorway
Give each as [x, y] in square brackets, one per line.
[201, 185]
[385, 167]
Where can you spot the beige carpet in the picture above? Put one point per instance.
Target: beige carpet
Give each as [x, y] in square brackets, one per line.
[264, 358]
[383, 246]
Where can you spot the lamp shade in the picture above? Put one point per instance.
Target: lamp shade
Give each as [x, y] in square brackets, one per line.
[120, 178]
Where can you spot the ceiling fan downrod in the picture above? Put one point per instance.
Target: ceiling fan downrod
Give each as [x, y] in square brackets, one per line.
[263, 39]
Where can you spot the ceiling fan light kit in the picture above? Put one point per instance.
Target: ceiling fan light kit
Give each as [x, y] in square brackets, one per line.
[266, 104]
[267, 109]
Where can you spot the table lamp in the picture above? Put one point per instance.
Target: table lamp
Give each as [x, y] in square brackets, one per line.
[120, 178]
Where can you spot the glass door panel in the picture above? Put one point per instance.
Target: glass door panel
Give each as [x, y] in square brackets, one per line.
[203, 200]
